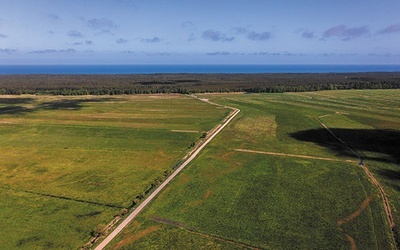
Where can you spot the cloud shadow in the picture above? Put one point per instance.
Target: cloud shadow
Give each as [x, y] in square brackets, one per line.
[64, 104]
[16, 100]
[384, 143]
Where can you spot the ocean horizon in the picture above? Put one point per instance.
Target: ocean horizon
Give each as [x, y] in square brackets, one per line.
[194, 69]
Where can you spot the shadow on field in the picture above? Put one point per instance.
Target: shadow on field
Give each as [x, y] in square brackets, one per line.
[393, 176]
[63, 104]
[385, 142]
[390, 174]
[69, 104]
[14, 110]
[15, 105]
[16, 100]
[363, 141]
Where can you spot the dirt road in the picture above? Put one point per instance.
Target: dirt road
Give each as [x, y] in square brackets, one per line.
[291, 155]
[142, 205]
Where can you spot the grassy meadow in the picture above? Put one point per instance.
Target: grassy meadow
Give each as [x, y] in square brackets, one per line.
[69, 164]
[296, 186]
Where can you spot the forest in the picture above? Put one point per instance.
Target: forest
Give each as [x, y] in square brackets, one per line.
[193, 83]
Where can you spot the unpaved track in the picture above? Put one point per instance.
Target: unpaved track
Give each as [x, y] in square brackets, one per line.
[142, 205]
[384, 197]
[351, 217]
[291, 155]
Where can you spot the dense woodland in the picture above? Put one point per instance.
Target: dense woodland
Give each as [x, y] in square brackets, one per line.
[193, 83]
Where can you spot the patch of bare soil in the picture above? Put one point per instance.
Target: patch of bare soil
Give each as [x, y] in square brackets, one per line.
[135, 237]
[207, 194]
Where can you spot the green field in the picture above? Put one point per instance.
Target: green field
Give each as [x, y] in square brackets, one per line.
[314, 197]
[69, 164]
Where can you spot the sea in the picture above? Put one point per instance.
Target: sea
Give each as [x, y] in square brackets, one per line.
[192, 69]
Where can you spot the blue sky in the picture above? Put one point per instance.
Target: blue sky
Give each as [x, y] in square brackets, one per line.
[199, 32]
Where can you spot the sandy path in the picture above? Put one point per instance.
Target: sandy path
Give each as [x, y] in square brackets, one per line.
[292, 155]
[351, 217]
[384, 197]
[185, 131]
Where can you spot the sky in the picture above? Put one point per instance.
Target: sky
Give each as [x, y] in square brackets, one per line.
[199, 32]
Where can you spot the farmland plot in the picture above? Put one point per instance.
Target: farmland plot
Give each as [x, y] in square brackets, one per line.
[69, 164]
[276, 178]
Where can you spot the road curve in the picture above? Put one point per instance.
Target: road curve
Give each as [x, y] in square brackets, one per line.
[142, 205]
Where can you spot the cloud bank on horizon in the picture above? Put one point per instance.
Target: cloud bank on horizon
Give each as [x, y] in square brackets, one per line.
[201, 32]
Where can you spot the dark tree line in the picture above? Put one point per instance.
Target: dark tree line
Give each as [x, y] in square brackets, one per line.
[192, 83]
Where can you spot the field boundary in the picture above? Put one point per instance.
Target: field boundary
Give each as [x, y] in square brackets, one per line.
[193, 154]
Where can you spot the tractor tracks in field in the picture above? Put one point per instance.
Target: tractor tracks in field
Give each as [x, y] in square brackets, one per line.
[193, 230]
[187, 159]
[352, 216]
[384, 197]
[372, 178]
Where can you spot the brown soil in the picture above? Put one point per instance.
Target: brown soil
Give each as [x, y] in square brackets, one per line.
[352, 242]
[207, 194]
[184, 178]
[135, 237]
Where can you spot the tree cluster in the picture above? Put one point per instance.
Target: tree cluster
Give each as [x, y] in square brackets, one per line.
[193, 83]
